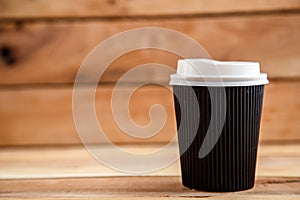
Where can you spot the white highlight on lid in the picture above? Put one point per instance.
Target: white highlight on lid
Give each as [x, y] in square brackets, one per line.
[205, 72]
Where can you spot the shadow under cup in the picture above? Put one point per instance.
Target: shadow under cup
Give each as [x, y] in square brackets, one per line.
[218, 109]
[230, 165]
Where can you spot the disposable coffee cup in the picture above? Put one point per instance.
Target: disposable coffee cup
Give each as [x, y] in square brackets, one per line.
[218, 108]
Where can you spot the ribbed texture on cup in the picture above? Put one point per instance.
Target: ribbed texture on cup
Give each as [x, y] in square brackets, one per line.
[230, 165]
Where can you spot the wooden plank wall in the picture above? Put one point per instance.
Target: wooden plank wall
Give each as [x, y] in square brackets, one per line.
[43, 43]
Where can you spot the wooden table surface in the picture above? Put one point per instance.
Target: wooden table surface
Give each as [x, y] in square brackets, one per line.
[65, 172]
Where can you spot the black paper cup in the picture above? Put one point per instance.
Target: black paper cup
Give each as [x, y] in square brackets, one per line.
[230, 164]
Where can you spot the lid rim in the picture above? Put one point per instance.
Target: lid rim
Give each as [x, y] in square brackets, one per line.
[261, 75]
[220, 84]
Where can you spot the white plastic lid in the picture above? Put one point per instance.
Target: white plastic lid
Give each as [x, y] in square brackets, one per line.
[205, 72]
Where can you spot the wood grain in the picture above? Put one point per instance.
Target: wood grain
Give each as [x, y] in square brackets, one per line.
[51, 52]
[44, 115]
[138, 187]
[279, 160]
[227, 197]
[18, 9]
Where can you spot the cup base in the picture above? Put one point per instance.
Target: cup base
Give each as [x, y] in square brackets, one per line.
[217, 189]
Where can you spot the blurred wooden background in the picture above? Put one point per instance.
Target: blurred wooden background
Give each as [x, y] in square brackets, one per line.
[43, 43]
